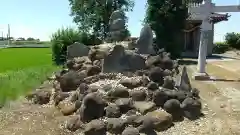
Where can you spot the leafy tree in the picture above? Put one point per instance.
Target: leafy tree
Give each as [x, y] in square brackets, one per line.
[92, 16]
[167, 20]
[30, 39]
[233, 39]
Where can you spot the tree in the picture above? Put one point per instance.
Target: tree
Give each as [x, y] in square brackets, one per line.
[92, 16]
[30, 39]
[167, 19]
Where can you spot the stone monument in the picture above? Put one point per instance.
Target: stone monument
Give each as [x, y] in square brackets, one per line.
[116, 25]
[144, 44]
[77, 50]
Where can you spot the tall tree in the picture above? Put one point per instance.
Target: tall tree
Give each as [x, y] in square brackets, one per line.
[92, 16]
[167, 19]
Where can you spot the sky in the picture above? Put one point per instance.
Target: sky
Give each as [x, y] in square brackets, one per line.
[40, 18]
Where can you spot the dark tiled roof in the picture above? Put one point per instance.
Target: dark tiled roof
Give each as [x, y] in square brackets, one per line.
[215, 17]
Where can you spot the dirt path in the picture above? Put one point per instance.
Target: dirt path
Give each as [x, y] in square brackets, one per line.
[222, 95]
[27, 119]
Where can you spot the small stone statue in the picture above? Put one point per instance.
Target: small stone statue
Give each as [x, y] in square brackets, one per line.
[117, 25]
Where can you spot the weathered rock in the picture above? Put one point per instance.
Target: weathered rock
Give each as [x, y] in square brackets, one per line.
[70, 64]
[95, 127]
[74, 96]
[194, 93]
[74, 124]
[167, 72]
[93, 88]
[156, 120]
[145, 40]
[160, 97]
[138, 95]
[116, 125]
[152, 86]
[156, 75]
[40, 96]
[77, 50]
[124, 104]
[172, 106]
[68, 109]
[117, 24]
[144, 106]
[153, 61]
[133, 61]
[131, 82]
[97, 54]
[116, 15]
[113, 111]
[134, 120]
[59, 96]
[183, 82]
[70, 81]
[83, 88]
[111, 62]
[92, 107]
[78, 104]
[97, 63]
[191, 108]
[119, 92]
[168, 83]
[130, 131]
[93, 70]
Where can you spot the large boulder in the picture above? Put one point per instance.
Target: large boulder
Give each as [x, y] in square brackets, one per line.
[70, 81]
[92, 107]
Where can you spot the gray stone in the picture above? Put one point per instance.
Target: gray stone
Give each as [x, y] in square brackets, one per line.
[95, 127]
[70, 81]
[130, 131]
[125, 104]
[111, 61]
[40, 96]
[144, 106]
[92, 107]
[183, 82]
[138, 95]
[112, 111]
[77, 50]
[117, 24]
[74, 124]
[119, 92]
[192, 108]
[117, 14]
[116, 125]
[157, 120]
[168, 82]
[145, 40]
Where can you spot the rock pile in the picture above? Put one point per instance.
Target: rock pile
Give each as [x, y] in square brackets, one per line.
[120, 91]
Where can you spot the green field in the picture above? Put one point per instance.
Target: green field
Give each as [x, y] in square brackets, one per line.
[23, 69]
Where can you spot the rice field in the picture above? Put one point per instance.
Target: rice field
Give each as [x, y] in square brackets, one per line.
[23, 69]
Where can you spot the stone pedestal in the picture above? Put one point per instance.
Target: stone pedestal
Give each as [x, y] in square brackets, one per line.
[201, 76]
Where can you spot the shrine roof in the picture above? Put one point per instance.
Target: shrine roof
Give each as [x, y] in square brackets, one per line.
[215, 17]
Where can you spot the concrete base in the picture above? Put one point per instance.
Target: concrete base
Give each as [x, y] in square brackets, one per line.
[201, 76]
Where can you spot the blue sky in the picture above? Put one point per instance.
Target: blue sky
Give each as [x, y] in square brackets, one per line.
[40, 18]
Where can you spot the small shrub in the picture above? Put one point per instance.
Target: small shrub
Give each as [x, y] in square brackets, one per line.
[233, 40]
[220, 47]
[60, 40]
[64, 37]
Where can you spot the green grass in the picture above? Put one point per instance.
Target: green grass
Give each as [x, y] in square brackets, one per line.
[20, 58]
[22, 70]
[30, 42]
